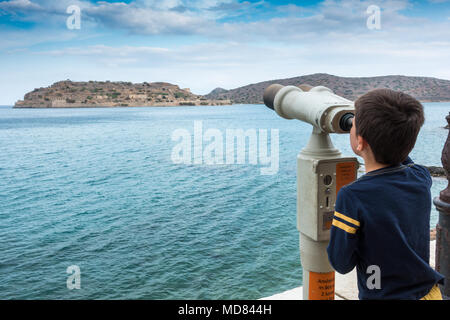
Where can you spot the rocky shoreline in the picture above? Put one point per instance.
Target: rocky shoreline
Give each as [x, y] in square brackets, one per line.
[436, 171]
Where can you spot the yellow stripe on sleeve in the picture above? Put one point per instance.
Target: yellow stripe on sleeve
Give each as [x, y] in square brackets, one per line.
[352, 221]
[343, 226]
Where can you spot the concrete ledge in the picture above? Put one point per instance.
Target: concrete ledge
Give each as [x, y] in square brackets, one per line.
[346, 287]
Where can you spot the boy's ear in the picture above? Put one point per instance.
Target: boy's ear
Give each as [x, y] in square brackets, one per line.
[361, 143]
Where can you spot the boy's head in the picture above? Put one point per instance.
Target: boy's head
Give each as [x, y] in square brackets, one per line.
[389, 122]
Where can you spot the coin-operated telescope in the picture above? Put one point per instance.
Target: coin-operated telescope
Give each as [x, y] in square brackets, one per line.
[321, 172]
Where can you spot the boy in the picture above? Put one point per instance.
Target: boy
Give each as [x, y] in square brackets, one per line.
[382, 219]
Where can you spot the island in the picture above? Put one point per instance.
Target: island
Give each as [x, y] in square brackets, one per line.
[98, 94]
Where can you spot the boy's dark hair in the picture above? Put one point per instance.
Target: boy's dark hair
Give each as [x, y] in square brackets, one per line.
[389, 121]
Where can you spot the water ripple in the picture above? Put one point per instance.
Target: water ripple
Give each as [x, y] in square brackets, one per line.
[97, 189]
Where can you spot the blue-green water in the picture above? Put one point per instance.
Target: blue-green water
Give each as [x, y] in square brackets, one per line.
[97, 188]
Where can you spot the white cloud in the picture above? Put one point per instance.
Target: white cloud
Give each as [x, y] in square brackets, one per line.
[144, 20]
[102, 50]
[19, 5]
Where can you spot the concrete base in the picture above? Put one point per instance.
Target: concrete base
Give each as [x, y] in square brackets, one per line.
[346, 287]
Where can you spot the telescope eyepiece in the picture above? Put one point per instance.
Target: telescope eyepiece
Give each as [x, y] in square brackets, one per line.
[346, 122]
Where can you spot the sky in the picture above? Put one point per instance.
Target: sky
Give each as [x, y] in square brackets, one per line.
[205, 44]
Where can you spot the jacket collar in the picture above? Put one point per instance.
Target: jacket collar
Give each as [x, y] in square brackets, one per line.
[391, 168]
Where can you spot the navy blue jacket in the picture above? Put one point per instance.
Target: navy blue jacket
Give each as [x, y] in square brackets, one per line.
[383, 219]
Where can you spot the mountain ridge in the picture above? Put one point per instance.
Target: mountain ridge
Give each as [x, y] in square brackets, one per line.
[425, 89]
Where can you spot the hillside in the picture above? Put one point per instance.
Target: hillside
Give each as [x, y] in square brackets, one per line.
[422, 88]
[69, 94]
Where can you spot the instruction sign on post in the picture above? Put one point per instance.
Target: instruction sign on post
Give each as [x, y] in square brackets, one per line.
[321, 286]
[345, 174]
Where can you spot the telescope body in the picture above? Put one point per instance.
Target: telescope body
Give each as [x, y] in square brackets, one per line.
[319, 106]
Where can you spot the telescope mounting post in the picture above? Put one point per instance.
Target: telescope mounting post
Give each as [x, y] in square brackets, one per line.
[321, 172]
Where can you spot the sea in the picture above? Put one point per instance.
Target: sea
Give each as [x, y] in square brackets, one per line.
[95, 203]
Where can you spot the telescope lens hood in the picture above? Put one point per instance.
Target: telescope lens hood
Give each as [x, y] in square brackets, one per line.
[346, 122]
[270, 93]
